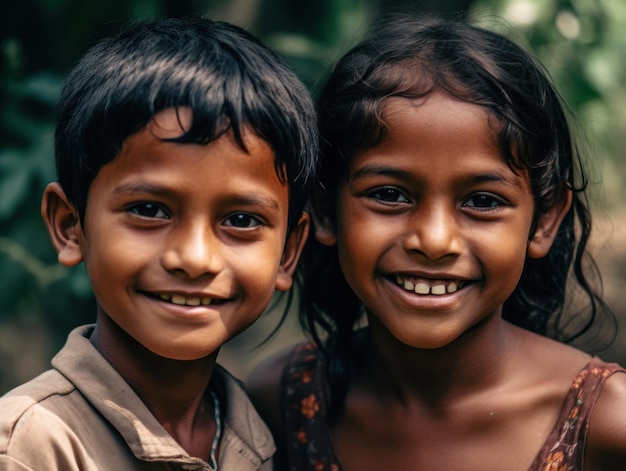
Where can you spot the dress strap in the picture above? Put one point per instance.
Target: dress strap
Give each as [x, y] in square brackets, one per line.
[565, 446]
[308, 440]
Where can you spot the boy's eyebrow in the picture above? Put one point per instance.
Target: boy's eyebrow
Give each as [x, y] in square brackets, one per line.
[252, 199]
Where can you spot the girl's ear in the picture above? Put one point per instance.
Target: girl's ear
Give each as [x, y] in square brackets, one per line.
[63, 225]
[325, 231]
[291, 254]
[547, 227]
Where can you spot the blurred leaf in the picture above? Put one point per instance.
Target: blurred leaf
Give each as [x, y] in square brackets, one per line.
[14, 179]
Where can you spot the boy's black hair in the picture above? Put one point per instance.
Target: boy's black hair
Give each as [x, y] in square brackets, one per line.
[228, 77]
[409, 57]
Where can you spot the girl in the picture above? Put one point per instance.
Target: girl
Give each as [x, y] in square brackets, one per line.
[449, 214]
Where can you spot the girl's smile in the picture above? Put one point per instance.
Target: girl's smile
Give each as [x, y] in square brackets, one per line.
[432, 220]
[424, 286]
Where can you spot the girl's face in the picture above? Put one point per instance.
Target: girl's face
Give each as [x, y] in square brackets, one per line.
[433, 227]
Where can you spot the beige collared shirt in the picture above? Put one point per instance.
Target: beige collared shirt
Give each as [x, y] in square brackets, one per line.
[81, 415]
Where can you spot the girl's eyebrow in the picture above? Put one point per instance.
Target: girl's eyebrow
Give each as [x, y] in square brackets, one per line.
[255, 199]
[384, 170]
[377, 170]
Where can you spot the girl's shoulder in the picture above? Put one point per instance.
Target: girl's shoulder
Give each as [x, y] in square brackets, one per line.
[606, 440]
[265, 382]
[597, 391]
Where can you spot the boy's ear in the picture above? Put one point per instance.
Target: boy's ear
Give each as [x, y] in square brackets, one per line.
[291, 254]
[547, 227]
[63, 224]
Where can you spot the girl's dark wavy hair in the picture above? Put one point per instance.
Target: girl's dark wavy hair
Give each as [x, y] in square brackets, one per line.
[228, 77]
[409, 57]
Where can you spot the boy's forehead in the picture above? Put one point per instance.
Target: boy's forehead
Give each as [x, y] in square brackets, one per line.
[171, 123]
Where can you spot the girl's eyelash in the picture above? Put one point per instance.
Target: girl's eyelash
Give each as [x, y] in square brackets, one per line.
[478, 202]
[483, 202]
[388, 195]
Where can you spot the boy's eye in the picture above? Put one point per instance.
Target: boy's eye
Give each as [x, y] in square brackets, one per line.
[242, 220]
[482, 201]
[148, 210]
[389, 195]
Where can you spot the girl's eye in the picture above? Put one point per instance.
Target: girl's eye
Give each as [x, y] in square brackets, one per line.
[242, 220]
[149, 210]
[482, 201]
[389, 195]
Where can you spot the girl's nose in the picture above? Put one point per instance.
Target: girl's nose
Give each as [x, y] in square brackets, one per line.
[194, 252]
[435, 232]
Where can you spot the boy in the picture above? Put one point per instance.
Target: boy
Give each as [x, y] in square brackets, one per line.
[184, 148]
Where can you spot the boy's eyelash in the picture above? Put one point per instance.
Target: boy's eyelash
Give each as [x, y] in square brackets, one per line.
[243, 221]
[148, 209]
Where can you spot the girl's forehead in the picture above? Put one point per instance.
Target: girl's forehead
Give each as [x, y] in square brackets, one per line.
[436, 137]
[438, 119]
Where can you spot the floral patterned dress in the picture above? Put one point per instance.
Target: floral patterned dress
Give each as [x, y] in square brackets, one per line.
[309, 442]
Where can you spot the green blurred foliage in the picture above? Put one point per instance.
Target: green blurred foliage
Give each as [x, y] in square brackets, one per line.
[581, 42]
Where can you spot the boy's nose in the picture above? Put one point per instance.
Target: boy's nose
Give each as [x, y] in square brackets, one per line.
[194, 252]
[434, 232]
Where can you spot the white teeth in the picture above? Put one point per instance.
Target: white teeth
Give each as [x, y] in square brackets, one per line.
[193, 301]
[184, 301]
[437, 289]
[422, 288]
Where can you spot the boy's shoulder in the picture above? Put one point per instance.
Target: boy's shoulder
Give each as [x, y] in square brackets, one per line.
[30, 419]
[23, 399]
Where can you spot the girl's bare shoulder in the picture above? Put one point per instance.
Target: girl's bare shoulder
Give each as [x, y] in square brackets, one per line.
[606, 436]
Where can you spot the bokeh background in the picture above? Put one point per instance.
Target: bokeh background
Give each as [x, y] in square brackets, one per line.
[581, 42]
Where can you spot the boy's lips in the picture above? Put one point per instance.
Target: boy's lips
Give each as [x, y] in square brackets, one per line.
[187, 299]
[425, 286]
[182, 300]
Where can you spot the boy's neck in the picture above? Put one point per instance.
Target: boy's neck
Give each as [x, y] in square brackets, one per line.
[173, 390]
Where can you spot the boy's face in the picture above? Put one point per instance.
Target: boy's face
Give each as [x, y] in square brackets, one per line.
[185, 244]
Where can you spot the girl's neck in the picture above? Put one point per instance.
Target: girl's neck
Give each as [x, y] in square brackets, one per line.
[476, 360]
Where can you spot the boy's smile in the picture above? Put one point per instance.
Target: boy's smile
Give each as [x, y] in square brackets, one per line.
[183, 242]
[432, 224]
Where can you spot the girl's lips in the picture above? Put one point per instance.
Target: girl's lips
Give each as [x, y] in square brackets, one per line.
[424, 286]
